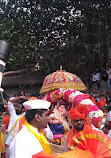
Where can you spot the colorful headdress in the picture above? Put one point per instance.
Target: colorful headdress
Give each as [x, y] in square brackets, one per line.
[95, 141]
[77, 97]
[101, 103]
[74, 114]
[61, 102]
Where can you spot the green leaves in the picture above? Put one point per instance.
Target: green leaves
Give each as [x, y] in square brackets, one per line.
[57, 31]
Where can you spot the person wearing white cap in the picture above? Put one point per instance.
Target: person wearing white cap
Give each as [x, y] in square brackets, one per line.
[16, 110]
[30, 140]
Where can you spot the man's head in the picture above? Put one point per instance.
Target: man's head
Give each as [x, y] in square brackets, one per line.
[95, 72]
[37, 113]
[108, 67]
[78, 124]
[77, 119]
[19, 108]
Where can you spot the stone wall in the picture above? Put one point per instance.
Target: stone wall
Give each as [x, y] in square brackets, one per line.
[103, 86]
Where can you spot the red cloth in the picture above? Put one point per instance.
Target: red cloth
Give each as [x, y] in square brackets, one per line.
[75, 114]
[33, 98]
[77, 153]
[6, 120]
[3, 155]
[21, 122]
[95, 141]
[93, 99]
[71, 134]
[101, 103]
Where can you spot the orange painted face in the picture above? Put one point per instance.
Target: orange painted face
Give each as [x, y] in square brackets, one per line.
[62, 109]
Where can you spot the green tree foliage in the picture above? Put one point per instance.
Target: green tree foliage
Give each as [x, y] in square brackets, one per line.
[95, 29]
[74, 34]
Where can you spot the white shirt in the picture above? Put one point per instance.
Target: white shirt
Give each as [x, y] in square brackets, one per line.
[109, 116]
[109, 119]
[47, 132]
[109, 134]
[93, 127]
[96, 77]
[13, 118]
[109, 73]
[25, 144]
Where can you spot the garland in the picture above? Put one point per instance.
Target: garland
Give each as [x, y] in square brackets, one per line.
[43, 141]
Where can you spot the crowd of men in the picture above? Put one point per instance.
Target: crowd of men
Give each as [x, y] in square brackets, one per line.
[98, 76]
[29, 125]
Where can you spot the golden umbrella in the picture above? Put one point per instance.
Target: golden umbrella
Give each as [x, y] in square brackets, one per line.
[62, 79]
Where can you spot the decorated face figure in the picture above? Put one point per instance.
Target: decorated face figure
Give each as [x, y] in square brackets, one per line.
[62, 109]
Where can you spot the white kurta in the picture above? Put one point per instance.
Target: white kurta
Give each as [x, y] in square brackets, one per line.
[109, 116]
[109, 119]
[13, 118]
[25, 144]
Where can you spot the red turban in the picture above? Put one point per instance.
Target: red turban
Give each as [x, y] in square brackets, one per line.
[101, 103]
[75, 114]
[92, 99]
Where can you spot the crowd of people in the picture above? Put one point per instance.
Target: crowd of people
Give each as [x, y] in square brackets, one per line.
[29, 125]
[97, 76]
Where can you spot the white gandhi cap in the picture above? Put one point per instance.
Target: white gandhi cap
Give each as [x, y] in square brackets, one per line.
[36, 104]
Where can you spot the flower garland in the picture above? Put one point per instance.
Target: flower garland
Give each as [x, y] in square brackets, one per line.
[53, 96]
[78, 98]
[41, 138]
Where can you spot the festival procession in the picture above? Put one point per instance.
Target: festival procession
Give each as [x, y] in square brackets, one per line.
[55, 79]
[64, 121]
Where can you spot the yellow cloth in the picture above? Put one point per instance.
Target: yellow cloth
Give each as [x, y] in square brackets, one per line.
[14, 132]
[43, 141]
[2, 144]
